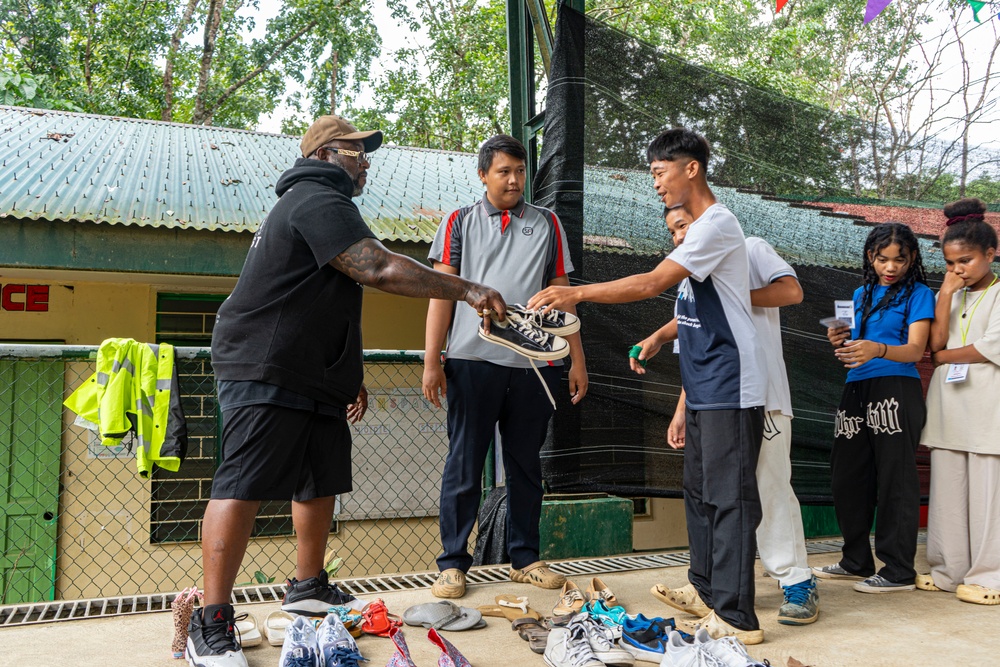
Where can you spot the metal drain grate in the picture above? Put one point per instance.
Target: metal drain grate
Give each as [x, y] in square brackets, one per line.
[69, 610]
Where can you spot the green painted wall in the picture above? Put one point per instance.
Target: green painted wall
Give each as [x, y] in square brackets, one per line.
[87, 246]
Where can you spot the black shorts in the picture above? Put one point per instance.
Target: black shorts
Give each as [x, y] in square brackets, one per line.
[271, 452]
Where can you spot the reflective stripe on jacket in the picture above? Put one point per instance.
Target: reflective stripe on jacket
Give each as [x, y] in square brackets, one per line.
[135, 387]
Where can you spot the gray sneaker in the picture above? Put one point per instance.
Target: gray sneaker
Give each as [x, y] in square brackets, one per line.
[801, 605]
[835, 572]
[602, 641]
[567, 647]
[879, 584]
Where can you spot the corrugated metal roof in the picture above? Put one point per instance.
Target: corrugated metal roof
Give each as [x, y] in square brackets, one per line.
[621, 205]
[69, 166]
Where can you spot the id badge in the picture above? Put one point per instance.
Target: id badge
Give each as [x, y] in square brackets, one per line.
[844, 310]
[957, 373]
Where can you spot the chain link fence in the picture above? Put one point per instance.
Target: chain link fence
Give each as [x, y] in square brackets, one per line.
[77, 521]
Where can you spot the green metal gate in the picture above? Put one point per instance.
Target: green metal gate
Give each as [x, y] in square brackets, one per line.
[30, 428]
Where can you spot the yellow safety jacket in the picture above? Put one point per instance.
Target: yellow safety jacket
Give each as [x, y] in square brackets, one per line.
[132, 390]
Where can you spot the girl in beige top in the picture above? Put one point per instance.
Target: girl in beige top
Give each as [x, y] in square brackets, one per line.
[963, 537]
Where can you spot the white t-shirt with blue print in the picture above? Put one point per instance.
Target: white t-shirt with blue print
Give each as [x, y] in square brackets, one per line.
[722, 363]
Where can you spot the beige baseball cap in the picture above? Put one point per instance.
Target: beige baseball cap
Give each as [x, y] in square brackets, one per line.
[328, 128]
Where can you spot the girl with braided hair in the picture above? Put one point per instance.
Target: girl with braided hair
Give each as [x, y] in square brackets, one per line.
[881, 413]
[963, 530]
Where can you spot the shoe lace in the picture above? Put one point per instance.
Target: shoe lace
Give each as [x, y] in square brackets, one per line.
[344, 656]
[597, 633]
[530, 331]
[798, 594]
[304, 660]
[578, 646]
[572, 595]
[221, 637]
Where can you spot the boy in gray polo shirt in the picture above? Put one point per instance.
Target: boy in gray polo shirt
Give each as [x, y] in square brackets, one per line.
[518, 249]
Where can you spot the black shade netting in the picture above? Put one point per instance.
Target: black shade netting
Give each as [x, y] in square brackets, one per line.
[615, 440]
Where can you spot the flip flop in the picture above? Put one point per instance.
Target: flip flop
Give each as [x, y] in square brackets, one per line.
[514, 607]
[444, 615]
[275, 625]
[533, 631]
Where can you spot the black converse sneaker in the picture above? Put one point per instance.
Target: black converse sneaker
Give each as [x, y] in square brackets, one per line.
[526, 339]
[212, 642]
[314, 596]
[550, 320]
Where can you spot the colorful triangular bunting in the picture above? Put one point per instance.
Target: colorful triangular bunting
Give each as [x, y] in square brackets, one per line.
[874, 8]
[976, 6]
[782, 3]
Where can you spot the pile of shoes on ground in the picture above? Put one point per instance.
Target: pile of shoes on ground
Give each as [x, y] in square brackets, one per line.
[313, 637]
[591, 629]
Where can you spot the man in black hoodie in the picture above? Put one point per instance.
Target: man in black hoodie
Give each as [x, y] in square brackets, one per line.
[287, 355]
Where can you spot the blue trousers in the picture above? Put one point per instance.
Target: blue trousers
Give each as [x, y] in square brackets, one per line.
[480, 396]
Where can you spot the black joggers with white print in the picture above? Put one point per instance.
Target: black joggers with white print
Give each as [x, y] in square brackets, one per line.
[874, 465]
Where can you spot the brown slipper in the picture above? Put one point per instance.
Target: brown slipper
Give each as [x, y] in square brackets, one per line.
[532, 631]
[491, 610]
[538, 574]
[514, 608]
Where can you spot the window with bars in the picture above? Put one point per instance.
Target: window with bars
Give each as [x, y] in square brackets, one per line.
[179, 498]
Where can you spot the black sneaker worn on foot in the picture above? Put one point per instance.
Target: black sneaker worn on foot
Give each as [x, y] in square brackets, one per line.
[314, 596]
[212, 642]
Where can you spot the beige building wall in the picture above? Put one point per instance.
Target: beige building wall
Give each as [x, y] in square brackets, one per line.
[104, 514]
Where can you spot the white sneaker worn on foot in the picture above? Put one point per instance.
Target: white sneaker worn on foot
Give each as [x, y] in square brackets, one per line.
[213, 643]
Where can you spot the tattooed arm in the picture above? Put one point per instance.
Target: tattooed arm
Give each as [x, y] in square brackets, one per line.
[371, 263]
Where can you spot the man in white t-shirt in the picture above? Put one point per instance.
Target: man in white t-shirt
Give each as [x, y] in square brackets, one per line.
[780, 538]
[723, 367]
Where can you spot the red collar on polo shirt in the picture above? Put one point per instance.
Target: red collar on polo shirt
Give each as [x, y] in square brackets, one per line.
[517, 209]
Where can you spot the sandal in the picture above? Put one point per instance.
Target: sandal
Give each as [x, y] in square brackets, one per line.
[533, 631]
[351, 619]
[513, 608]
[925, 582]
[977, 594]
[377, 619]
[538, 574]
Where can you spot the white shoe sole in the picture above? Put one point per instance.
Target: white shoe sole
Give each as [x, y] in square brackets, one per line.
[883, 589]
[560, 348]
[643, 655]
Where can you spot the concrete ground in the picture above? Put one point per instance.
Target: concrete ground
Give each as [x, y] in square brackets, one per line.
[854, 629]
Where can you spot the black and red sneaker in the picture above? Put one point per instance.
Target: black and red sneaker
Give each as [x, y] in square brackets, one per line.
[212, 638]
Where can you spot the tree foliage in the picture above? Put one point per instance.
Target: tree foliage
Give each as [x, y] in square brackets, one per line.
[187, 60]
[450, 93]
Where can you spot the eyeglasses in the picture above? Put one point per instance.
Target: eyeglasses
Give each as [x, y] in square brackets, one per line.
[360, 155]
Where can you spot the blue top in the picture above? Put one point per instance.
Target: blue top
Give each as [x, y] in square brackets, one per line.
[890, 325]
